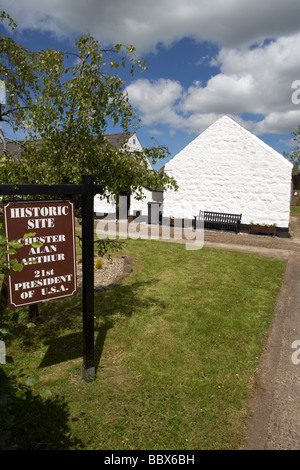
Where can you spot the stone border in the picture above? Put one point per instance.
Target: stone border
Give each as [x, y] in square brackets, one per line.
[128, 267]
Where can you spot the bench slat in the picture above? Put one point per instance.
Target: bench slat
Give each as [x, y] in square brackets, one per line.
[220, 220]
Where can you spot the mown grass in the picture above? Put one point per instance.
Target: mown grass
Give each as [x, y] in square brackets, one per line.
[177, 351]
[295, 210]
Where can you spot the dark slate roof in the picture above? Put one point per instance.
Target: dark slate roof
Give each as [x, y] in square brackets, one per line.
[12, 147]
[116, 140]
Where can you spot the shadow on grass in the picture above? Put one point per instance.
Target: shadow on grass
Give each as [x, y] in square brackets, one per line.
[110, 305]
[41, 424]
[69, 347]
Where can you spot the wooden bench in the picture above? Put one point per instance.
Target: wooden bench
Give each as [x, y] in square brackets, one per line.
[220, 220]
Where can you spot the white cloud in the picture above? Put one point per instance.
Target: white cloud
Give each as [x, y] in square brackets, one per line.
[160, 102]
[259, 81]
[156, 101]
[145, 24]
[279, 123]
[223, 94]
[255, 80]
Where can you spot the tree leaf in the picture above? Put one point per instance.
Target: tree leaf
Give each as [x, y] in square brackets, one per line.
[11, 251]
[31, 381]
[15, 244]
[37, 244]
[29, 235]
[45, 393]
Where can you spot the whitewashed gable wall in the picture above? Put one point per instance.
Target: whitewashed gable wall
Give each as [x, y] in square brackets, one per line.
[228, 169]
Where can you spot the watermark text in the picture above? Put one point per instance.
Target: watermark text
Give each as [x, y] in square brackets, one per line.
[2, 352]
[296, 354]
[2, 92]
[296, 93]
[185, 230]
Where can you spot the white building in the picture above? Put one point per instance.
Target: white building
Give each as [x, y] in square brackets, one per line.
[108, 208]
[228, 169]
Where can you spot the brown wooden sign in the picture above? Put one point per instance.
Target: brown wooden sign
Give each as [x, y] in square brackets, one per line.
[48, 253]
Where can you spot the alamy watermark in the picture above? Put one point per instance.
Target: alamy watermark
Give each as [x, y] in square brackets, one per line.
[2, 352]
[189, 232]
[296, 94]
[296, 354]
[2, 92]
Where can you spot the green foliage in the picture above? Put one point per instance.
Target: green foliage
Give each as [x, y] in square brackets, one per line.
[9, 248]
[8, 388]
[99, 264]
[64, 102]
[10, 391]
[294, 156]
[106, 246]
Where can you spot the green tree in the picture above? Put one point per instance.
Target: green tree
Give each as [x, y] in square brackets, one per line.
[294, 156]
[63, 101]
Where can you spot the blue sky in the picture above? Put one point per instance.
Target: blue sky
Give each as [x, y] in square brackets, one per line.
[206, 59]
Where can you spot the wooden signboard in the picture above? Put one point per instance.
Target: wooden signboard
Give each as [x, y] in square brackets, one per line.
[48, 254]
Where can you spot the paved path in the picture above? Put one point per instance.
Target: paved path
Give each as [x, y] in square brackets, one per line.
[275, 422]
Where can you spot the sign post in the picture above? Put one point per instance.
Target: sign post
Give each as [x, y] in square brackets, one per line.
[88, 277]
[41, 221]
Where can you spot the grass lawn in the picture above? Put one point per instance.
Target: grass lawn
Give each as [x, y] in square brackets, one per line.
[177, 349]
[295, 210]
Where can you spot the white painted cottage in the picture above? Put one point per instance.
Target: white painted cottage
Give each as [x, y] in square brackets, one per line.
[228, 169]
[102, 207]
